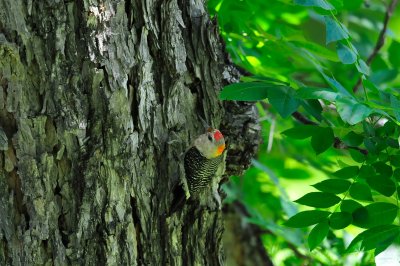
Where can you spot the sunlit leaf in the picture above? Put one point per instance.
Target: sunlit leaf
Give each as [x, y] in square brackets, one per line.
[318, 234]
[382, 168]
[322, 139]
[245, 91]
[340, 220]
[352, 5]
[352, 111]
[345, 53]
[362, 67]
[378, 213]
[395, 104]
[306, 218]
[373, 238]
[319, 199]
[335, 186]
[360, 191]
[335, 31]
[283, 100]
[315, 3]
[369, 85]
[394, 53]
[300, 132]
[347, 172]
[383, 185]
[350, 206]
[338, 87]
[267, 80]
[316, 93]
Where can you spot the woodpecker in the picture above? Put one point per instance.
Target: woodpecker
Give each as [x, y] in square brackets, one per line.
[204, 164]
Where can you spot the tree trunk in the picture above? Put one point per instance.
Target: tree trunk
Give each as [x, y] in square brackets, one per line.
[98, 101]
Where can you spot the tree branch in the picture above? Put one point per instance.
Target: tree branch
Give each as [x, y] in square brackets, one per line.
[381, 39]
[302, 119]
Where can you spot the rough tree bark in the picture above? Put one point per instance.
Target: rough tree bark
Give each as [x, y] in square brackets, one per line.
[92, 96]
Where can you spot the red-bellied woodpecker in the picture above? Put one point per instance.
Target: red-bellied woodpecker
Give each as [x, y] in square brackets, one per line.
[204, 166]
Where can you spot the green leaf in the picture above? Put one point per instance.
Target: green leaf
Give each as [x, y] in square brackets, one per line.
[317, 50]
[369, 85]
[319, 199]
[283, 100]
[378, 213]
[335, 31]
[362, 67]
[315, 3]
[350, 206]
[306, 218]
[335, 186]
[353, 139]
[394, 143]
[347, 172]
[246, 91]
[395, 160]
[322, 139]
[394, 53]
[383, 185]
[345, 53]
[352, 111]
[357, 156]
[373, 238]
[360, 191]
[317, 93]
[340, 220]
[383, 169]
[264, 79]
[395, 104]
[389, 127]
[313, 107]
[365, 171]
[370, 145]
[300, 132]
[368, 128]
[337, 86]
[352, 5]
[384, 75]
[396, 174]
[318, 234]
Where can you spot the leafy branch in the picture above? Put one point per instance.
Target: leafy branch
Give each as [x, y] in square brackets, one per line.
[381, 39]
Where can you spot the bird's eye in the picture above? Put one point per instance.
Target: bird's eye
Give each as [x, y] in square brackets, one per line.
[209, 138]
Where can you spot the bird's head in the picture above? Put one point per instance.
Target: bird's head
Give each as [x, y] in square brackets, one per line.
[210, 144]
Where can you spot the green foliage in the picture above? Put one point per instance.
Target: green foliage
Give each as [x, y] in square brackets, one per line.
[380, 236]
[360, 191]
[318, 234]
[340, 220]
[328, 119]
[306, 218]
[375, 214]
[319, 199]
[321, 137]
[335, 186]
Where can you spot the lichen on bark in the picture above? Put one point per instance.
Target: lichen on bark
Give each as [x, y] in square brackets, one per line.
[91, 95]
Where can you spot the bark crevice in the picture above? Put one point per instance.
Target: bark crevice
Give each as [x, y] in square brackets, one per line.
[92, 95]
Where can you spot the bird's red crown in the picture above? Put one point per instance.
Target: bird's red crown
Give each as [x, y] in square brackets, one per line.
[218, 135]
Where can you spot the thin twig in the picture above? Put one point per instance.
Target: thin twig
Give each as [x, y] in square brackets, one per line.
[302, 119]
[381, 39]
